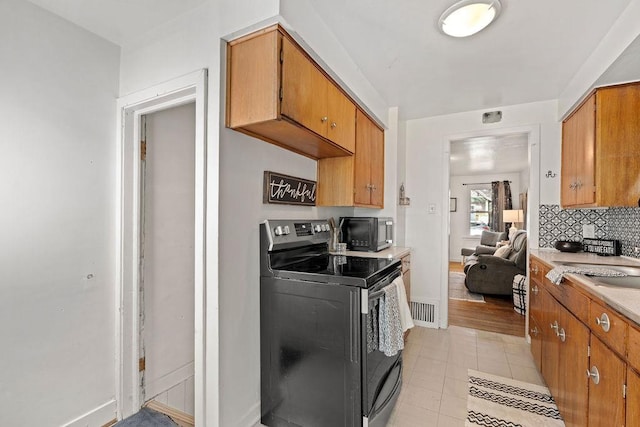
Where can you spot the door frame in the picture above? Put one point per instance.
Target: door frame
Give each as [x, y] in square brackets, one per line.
[182, 90]
[533, 202]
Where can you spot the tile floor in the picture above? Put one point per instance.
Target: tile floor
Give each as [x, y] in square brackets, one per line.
[434, 392]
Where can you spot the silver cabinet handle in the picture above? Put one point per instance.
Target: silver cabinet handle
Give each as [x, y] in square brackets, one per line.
[554, 325]
[594, 375]
[603, 322]
[535, 331]
[534, 269]
[324, 119]
[579, 184]
[562, 335]
[573, 186]
[535, 290]
[333, 125]
[373, 188]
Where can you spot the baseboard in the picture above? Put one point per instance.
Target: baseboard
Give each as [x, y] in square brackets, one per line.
[181, 418]
[100, 416]
[251, 418]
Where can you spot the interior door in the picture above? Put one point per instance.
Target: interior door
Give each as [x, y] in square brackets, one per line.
[167, 331]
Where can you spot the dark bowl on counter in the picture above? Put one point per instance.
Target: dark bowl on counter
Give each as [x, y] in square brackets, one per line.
[567, 246]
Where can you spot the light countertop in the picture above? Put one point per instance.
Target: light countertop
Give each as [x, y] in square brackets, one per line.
[392, 252]
[625, 300]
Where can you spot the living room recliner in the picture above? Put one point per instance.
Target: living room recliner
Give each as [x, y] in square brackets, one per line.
[493, 275]
[488, 242]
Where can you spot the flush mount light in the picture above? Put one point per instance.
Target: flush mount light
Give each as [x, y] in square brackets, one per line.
[467, 17]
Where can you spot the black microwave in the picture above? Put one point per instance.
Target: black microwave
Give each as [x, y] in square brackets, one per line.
[370, 234]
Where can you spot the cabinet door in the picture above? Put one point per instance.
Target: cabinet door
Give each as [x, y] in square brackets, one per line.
[578, 156]
[342, 118]
[550, 343]
[304, 90]
[574, 362]
[606, 399]
[535, 332]
[585, 151]
[365, 133]
[633, 398]
[617, 130]
[569, 162]
[377, 167]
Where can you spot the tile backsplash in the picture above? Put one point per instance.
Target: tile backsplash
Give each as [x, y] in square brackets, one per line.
[613, 223]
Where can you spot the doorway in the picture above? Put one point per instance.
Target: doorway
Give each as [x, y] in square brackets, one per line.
[474, 163]
[167, 257]
[130, 305]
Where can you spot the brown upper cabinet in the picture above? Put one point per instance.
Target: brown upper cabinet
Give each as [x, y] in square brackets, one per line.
[601, 150]
[277, 93]
[355, 180]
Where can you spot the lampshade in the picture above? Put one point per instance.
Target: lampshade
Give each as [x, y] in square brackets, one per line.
[467, 17]
[512, 215]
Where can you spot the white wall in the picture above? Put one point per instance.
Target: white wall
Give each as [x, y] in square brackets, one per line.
[59, 87]
[236, 163]
[459, 220]
[427, 178]
[624, 31]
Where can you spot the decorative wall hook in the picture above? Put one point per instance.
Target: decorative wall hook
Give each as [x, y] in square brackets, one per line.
[550, 174]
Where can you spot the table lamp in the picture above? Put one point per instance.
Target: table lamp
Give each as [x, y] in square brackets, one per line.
[513, 216]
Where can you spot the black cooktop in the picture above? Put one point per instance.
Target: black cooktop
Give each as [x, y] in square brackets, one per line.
[340, 269]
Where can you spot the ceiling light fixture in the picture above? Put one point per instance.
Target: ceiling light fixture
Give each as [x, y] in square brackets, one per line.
[468, 17]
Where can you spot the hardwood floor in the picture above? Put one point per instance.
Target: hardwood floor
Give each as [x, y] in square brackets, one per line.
[495, 315]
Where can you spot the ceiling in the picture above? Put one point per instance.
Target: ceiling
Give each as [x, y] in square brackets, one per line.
[529, 54]
[489, 155]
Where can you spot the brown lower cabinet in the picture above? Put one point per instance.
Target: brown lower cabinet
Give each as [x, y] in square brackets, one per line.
[633, 395]
[606, 386]
[591, 373]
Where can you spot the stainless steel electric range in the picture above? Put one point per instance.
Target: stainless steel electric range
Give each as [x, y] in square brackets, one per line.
[316, 366]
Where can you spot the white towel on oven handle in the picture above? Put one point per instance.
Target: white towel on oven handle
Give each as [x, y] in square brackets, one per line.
[403, 305]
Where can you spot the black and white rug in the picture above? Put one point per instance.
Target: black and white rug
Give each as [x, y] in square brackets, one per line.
[457, 289]
[497, 401]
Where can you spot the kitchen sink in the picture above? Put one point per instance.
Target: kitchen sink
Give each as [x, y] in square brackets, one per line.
[631, 280]
[626, 269]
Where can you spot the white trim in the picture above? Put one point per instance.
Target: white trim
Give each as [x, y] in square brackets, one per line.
[97, 416]
[533, 199]
[188, 88]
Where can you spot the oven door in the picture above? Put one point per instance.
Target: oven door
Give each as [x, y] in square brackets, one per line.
[382, 375]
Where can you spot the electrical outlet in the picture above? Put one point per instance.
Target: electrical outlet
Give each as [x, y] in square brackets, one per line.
[588, 231]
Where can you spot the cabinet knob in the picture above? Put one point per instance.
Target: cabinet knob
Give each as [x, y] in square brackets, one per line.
[534, 269]
[603, 322]
[535, 290]
[535, 331]
[573, 185]
[594, 375]
[373, 188]
[324, 119]
[333, 125]
[554, 325]
[562, 335]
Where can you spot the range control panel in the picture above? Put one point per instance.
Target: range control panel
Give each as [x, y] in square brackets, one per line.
[288, 233]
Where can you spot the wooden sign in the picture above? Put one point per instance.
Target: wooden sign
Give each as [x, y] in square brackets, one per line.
[288, 190]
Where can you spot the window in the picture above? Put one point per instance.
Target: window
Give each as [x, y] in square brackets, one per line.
[480, 203]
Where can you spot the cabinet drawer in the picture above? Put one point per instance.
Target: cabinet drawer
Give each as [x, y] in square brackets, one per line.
[610, 327]
[536, 270]
[633, 351]
[570, 297]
